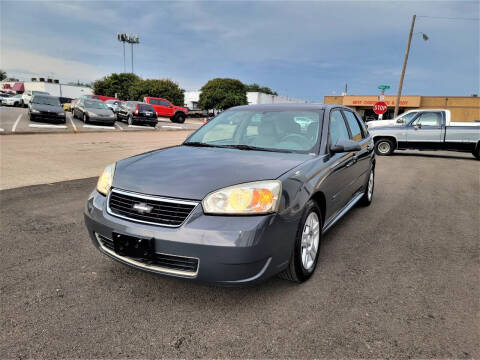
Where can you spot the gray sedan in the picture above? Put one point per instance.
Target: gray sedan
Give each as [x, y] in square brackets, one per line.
[93, 111]
[246, 197]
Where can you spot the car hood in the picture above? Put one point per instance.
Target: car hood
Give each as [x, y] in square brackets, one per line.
[46, 108]
[103, 112]
[188, 172]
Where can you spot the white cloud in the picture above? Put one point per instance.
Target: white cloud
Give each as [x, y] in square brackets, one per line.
[25, 64]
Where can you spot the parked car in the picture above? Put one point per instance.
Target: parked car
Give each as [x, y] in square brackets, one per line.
[72, 105]
[4, 96]
[427, 130]
[27, 96]
[93, 111]
[135, 112]
[46, 108]
[100, 97]
[165, 108]
[407, 116]
[245, 197]
[114, 105]
[15, 100]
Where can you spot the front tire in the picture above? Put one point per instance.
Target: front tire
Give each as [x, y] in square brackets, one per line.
[179, 118]
[130, 120]
[303, 261]
[384, 147]
[85, 119]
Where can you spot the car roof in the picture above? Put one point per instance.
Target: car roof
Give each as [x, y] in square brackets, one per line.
[288, 107]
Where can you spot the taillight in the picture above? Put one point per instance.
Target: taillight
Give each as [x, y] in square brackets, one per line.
[136, 110]
[156, 113]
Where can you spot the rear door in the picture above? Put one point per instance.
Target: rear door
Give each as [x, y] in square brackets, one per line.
[426, 131]
[339, 181]
[361, 166]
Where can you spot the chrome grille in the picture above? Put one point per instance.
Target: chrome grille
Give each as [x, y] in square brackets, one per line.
[159, 211]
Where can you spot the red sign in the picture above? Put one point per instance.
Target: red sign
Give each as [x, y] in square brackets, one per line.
[380, 107]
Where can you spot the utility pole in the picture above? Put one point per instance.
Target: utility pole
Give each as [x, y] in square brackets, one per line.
[124, 66]
[400, 85]
[132, 56]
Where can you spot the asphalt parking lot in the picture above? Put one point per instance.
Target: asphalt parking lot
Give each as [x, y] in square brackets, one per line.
[399, 279]
[14, 120]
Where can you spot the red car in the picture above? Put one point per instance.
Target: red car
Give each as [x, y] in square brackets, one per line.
[165, 108]
[101, 97]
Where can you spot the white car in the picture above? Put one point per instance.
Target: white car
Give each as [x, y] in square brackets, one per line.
[27, 96]
[15, 100]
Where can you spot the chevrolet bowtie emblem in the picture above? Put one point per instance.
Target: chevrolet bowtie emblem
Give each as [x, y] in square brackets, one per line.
[142, 208]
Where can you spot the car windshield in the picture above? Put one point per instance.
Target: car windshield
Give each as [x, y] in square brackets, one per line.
[46, 100]
[95, 104]
[288, 131]
[39, 93]
[407, 117]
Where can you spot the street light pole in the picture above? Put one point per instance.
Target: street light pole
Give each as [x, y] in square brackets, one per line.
[132, 56]
[400, 85]
[124, 66]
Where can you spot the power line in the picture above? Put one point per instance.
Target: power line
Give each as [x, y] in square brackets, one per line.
[447, 18]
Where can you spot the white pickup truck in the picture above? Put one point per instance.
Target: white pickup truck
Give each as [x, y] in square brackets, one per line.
[409, 115]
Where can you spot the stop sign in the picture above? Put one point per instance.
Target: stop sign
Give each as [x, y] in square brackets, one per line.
[380, 107]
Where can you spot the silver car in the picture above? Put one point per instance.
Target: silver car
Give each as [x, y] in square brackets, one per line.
[93, 111]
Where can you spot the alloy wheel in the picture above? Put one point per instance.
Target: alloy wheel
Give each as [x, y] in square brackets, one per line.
[370, 186]
[310, 241]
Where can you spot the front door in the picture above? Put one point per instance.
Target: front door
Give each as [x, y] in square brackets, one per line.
[425, 131]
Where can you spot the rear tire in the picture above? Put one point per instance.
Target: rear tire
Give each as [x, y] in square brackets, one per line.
[384, 147]
[476, 152]
[367, 197]
[302, 266]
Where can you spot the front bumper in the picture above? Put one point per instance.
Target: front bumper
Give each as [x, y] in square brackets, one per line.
[231, 250]
[102, 119]
[47, 117]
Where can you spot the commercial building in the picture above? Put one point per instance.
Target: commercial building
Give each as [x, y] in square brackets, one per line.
[462, 108]
[253, 98]
[53, 87]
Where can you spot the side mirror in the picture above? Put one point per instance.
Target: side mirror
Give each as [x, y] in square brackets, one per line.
[417, 126]
[345, 146]
[400, 121]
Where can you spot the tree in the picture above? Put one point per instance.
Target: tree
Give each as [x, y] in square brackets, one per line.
[3, 75]
[163, 88]
[119, 84]
[263, 89]
[221, 94]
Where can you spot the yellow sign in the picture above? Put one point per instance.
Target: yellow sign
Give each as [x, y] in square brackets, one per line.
[405, 101]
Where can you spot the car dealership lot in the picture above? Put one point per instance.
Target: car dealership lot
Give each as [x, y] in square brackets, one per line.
[397, 279]
[14, 120]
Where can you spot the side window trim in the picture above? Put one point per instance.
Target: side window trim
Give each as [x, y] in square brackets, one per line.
[362, 132]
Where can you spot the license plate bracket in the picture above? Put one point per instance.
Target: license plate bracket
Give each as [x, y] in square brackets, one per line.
[134, 247]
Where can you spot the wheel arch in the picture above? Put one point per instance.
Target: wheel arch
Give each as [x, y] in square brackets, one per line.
[388, 137]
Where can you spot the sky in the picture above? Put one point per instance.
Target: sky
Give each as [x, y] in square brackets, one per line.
[301, 49]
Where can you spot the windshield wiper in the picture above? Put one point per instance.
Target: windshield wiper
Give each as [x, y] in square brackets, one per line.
[249, 147]
[200, 144]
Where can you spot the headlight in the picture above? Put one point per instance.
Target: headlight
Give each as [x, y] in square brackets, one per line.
[61, 113]
[105, 180]
[258, 197]
[91, 114]
[34, 111]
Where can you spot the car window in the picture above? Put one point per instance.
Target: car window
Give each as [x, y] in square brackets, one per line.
[92, 104]
[145, 107]
[429, 119]
[279, 130]
[338, 128]
[355, 129]
[164, 103]
[45, 100]
[405, 119]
